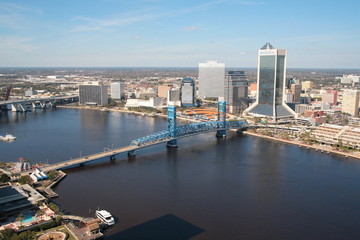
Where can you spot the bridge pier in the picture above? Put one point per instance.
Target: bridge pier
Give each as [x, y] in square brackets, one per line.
[131, 153]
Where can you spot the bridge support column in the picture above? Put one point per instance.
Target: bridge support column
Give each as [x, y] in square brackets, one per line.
[172, 127]
[131, 153]
[222, 117]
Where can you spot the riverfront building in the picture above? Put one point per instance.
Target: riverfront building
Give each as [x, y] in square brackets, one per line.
[117, 90]
[271, 85]
[187, 92]
[93, 94]
[236, 91]
[211, 79]
[350, 102]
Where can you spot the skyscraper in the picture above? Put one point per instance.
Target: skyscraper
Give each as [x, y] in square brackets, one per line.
[211, 79]
[236, 91]
[187, 92]
[296, 89]
[117, 90]
[271, 85]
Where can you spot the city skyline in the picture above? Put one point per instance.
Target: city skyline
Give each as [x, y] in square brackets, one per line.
[158, 33]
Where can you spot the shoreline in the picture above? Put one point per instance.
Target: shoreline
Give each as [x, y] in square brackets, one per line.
[320, 148]
[123, 111]
[308, 146]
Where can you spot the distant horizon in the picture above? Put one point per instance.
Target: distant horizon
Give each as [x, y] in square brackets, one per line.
[170, 67]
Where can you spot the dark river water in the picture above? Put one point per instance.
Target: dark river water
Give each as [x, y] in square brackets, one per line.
[240, 187]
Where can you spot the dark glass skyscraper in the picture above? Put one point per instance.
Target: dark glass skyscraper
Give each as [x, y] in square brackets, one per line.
[187, 92]
[271, 85]
[236, 91]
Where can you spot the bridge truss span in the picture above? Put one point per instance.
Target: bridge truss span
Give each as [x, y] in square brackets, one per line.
[187, 130]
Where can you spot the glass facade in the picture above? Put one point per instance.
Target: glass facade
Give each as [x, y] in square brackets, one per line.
[266, 79]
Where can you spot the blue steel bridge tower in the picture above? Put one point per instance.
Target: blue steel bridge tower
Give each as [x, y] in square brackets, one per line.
[172, 126]
[221, 119]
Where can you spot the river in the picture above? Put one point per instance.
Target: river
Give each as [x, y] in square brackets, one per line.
[241, 187]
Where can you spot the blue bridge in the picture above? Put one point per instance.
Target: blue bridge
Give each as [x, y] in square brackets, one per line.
[174, 132]
[169, 136]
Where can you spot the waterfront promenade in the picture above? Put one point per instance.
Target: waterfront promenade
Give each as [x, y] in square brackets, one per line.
[317, 147]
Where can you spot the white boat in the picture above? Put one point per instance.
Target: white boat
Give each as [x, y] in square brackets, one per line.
[8, 137]
[105, 217]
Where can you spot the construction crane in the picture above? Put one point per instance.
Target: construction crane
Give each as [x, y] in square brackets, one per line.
[5, 93]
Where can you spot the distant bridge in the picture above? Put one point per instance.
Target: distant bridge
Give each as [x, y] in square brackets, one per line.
[169, 136]
[23, 105]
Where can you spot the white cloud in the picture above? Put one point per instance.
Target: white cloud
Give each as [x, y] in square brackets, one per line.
[92, 24]
[16, 43]
[192, 28]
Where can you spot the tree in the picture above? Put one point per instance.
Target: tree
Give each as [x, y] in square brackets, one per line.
[20, 218]
[54, 207]
[52, 175]
[7, 233]
[4, 178]
[26, 179]
[40, 213]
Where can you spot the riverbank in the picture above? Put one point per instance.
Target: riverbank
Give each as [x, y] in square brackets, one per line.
[316, 147]
[124, 111]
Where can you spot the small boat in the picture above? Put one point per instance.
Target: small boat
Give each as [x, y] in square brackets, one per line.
[105, 217]
[104, 109]
[8, 137]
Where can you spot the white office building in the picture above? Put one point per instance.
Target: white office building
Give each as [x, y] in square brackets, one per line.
[211, 79]
[350, 102]
[117, 90]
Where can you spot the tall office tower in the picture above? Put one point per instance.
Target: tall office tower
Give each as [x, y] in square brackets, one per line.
[93, 94]
[306, 85]
[236, 91]
[187, 92]
[271, 85]
[350, 102]
[296, 89]
[117, 90]
[211, 79]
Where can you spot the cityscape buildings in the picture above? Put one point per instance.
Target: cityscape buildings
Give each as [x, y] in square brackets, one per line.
[296, 90]
[236, 91]
[211, 79]
[117, 90]
[163, 90]
[93, 94]
[350, 102]
[306, 85]
[271, 85]
[187, 92]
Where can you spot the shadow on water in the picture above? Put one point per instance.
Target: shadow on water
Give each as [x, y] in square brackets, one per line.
[163, 228]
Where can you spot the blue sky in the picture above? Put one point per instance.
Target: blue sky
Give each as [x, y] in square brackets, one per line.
[166, 33]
